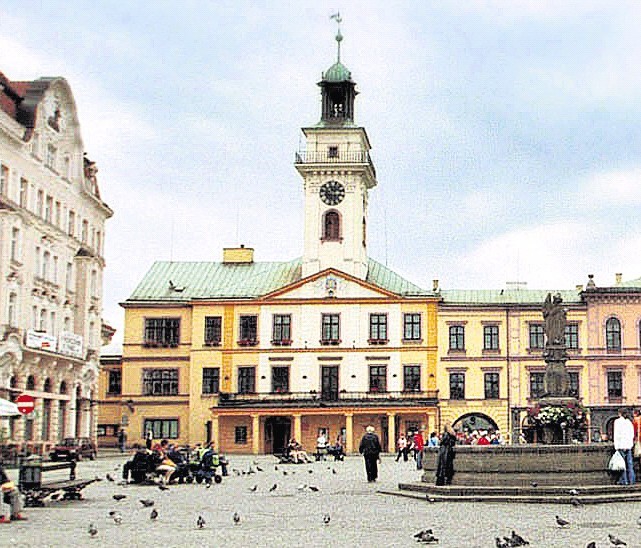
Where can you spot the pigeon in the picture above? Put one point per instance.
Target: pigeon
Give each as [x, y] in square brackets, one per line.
[591, 545]
[273, 487]
[284, 472]
[208, 485]
[154, 514]
[313, 488]
[616, 541]
[302, 487]
[639, 521]
[200, 522]
[236, 518]
[334, 471]
[119, 497]
[252, 489]
[259, 469]
[163, 487]
[109, 477]
[534, 484]
[430, 498]
[561, 522]
[326, 519]
[147, 503]
[575, 501]
[501, 543]
[93, 530]
[310, 471]
[426, 536]
[574, 492]
[518, 540]
[116, 517]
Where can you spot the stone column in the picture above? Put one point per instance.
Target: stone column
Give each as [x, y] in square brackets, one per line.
[215, 431]
[298, 427]
[349, 435]
[70, 429]
[255, 434]
[391, 433]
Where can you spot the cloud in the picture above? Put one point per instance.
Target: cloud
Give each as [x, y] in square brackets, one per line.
[618, 188]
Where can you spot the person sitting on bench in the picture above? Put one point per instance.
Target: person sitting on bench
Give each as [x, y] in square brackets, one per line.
[165, 466]
[10, 496]
[296, 452]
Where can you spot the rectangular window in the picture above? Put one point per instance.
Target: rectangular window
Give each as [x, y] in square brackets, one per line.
[57, 214]
[615, 385]
[160, 382]
[412, 327]
[211, 380]
[574, 384]
[52, 152]
[457, 337]
[491, 386]
[213, 330]
[162, 331]
[40, 203]
[412, 378]
[378, 378]
[490, 337]
[161, 428]
[536, 336]
[115, 382]
[84, 232]
[457, 386]
[280, 379]
[71, 223]
[246, 380]
[248, 335]
[15, 244]
[377, 328]
[240, 435]
[537, 384]
[69, 277]
[572, 336]
[332, 152]
[48, 208]
[4, 180]
[24, 192]
[282, 329]
[330, 332]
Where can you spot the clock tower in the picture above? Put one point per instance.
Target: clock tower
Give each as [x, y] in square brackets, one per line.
[337, 174]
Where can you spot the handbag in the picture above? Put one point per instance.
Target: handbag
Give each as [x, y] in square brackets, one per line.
[617, 462]
[636, 452]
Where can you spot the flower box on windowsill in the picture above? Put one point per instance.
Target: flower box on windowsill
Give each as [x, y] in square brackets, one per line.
[212, 343]
[330, 342]
[377, 341]
[247, 342]
[282, 342]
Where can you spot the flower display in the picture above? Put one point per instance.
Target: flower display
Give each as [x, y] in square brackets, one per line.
[571, 415]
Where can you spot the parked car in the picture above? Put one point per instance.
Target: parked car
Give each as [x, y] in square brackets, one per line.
[73, 449]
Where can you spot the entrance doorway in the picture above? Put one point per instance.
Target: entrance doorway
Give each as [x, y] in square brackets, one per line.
[277, 434]
[329, 382]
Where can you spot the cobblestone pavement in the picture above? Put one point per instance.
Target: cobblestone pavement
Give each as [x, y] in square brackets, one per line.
[287, 516]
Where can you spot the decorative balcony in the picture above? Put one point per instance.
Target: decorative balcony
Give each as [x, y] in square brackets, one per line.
[330, 399]
[338, 157]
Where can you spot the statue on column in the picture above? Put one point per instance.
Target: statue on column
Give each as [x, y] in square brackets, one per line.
[555, 317]
[555, 355]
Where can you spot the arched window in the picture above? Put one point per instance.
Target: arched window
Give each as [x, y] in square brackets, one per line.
[63, 387]
[13, 314]
[613, 334]
[47, 385]
[31, 382]
[332, 226]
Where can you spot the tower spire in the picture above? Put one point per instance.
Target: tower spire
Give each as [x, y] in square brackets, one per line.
[339, 37]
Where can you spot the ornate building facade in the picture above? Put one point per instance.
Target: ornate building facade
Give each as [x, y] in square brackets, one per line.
[52, 233]
[250, 354]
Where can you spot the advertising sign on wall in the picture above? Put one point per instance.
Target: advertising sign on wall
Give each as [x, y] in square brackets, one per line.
[70, 344]
[40, 340]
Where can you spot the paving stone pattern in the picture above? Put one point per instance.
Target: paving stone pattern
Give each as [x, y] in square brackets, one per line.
[287, 516]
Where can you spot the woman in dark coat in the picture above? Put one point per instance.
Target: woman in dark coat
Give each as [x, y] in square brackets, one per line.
[445, 462]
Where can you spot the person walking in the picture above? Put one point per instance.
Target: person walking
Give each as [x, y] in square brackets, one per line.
[149, 439]
[419, 443]
[445, 461]
[371, 449]
[401, 444]
[623, 443]
[122, 440]
[10, 496]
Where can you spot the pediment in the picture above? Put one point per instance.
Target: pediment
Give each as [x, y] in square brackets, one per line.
[331, 284]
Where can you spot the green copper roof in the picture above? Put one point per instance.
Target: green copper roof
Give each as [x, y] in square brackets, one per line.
[631, 283]
[186, 281]
[506, 296]
[337, 73]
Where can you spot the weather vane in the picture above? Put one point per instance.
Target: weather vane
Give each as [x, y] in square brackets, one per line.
[339, 37]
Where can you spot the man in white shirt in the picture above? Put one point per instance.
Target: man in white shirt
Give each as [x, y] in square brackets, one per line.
[623, 442]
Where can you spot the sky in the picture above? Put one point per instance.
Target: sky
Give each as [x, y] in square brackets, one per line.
[506, 135]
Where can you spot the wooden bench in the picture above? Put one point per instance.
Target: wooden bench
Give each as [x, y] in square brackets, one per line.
[35, 491]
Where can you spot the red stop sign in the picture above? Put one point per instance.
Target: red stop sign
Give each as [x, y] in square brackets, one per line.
[25, 403]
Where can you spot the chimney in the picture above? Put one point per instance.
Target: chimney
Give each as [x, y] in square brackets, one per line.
[435, 287]
[618, 277]
[238, 255]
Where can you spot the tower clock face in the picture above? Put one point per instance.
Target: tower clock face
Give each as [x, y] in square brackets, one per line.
[332, 193]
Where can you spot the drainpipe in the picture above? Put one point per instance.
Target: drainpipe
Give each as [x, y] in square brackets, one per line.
[509, 384]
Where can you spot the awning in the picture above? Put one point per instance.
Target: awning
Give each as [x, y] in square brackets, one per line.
[8, 409]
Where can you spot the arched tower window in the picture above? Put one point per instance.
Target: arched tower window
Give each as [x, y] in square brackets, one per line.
[613, 334]
[31, 382]
[332, 226]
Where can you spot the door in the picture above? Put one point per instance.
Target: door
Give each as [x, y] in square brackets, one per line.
[329, 382]
[277, 434]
